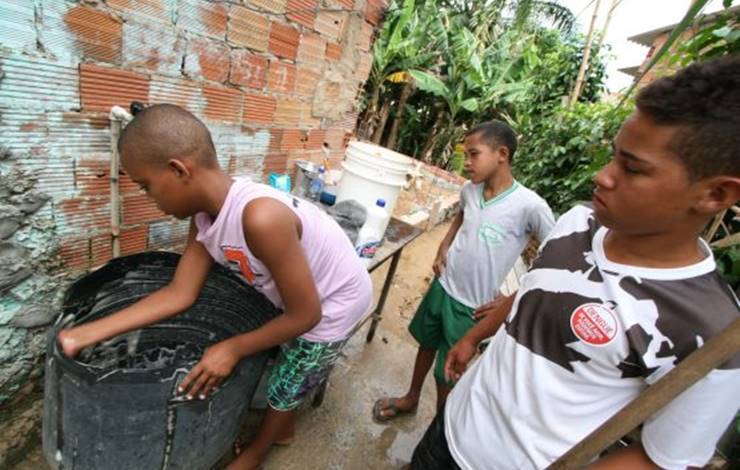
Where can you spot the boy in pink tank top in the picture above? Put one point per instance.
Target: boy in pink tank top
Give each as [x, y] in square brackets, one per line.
[284, 247]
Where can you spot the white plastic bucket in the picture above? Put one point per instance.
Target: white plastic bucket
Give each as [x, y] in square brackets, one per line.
[375, 155]
[364, 187]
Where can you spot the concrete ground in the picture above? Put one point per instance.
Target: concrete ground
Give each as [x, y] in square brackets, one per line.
[341, 433]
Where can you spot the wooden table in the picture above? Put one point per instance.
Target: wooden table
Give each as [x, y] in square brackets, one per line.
[397, 236]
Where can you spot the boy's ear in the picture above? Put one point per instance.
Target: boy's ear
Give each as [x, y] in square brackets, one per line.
[179, 168]
[719, 193]
[503, 152]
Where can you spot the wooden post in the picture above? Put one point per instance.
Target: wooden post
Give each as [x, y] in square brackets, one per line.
[698, 364]
[586, 55]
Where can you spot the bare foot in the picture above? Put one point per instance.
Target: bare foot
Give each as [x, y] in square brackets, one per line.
[69, 344]
[245, 461]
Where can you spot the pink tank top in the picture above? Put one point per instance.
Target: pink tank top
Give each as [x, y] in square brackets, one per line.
[342, 282]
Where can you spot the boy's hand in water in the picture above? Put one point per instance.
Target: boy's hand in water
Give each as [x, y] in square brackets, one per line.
[458, 358]
[69, 344]
[214, 367]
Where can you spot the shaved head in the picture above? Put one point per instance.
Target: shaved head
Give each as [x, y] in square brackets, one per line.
[163, 132]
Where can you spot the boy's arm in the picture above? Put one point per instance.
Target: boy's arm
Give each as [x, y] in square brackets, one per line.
[463, 351]
[190, 275]
[441, 259]
[632, 457]
[541, 221]
[272, 233]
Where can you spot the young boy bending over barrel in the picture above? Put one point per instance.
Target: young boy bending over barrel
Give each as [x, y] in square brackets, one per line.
[285, 248]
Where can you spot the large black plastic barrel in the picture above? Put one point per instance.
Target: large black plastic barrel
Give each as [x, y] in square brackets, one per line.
[116, 405]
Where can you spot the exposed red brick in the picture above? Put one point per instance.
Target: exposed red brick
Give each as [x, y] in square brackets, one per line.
[259, 109]
[207, 59]
[75, 254]
[366, 36]
[306, 81]
[302, 11]
[273, 6]
[85, 213]
[276, 138]
[311, 51]
[138, 209]
[101, 249]
[92, 176]
[333, 51]
[335, 138]
[293, 139]
[316, 139]
[363, 69]
[277, 163]
[307, 118]
[374, 11]
[101, 87]
[281, 77]
[348, 4]
[223, 104]
[284, 40]
[248, 69]
[331, 23]
[184, 93]
[134, 240]
[148, 10]
[208, 18]
[288, 112]
[126, 185]
[98, 33]
[248, 28]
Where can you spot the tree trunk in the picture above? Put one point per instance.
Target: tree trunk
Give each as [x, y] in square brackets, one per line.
[384, 112]
[371, 115]
[586, 54]
[431, 139]
[405, 93]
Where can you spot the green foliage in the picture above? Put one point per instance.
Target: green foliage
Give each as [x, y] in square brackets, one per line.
[728, 264]
[560, 153]
[721, 37]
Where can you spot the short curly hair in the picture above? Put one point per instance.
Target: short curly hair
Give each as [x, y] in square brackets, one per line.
[703, 101]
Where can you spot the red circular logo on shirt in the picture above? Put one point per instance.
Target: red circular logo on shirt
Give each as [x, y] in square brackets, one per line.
[594, 324]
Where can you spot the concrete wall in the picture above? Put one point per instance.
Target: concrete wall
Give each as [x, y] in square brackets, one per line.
[273, 80]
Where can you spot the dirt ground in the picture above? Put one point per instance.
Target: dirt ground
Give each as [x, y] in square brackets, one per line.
[341, 433]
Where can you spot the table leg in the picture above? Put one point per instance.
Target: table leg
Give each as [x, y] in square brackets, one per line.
[384, 294]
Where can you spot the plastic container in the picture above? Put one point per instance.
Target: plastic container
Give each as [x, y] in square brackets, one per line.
[280, 181]
[116, 406]
[372, 172]
[371, 233]
[305, 173]
[328, 195]
[317, 185]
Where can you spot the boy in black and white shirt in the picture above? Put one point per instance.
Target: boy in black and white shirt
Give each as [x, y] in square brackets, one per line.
[619, 295]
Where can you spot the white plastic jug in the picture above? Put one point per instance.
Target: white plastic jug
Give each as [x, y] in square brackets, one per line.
[371, 233]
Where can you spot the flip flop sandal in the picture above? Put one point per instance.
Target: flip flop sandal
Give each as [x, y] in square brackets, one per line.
[389, 404]
[284, 442]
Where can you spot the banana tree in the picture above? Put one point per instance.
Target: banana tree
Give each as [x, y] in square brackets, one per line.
[411, 38]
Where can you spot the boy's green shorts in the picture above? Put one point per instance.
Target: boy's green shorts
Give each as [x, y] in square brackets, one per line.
[439, 322]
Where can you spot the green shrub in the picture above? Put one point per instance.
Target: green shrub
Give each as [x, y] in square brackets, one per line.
[560, 153]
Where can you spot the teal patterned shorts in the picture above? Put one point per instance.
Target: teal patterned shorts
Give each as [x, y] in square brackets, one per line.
[303, 365]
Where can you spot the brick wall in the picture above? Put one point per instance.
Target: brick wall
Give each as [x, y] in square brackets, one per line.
[273, 79]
